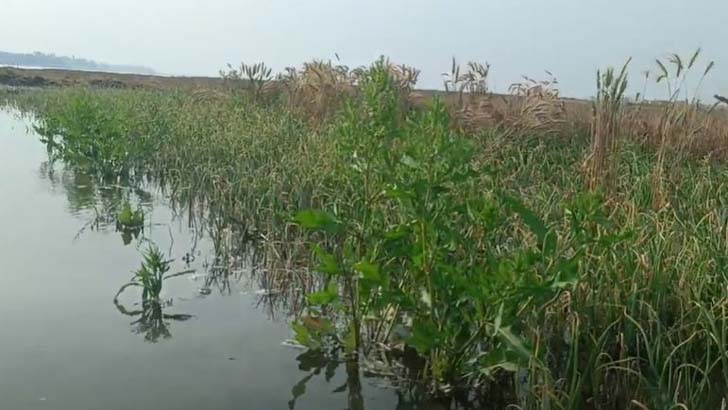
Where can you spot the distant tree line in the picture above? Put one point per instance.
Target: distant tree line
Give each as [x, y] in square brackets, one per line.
[38, 59]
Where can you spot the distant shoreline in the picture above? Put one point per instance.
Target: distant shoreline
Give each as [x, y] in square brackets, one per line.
[29, 67]
[58, 77]
[38, 59]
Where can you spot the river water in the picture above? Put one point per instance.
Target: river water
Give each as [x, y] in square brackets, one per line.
[64, 344]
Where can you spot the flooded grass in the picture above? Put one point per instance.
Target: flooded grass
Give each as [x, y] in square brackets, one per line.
[510, 265]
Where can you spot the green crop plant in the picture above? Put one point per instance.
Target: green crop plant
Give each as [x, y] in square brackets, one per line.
[151, 275]
[129, 219]
[415, 252]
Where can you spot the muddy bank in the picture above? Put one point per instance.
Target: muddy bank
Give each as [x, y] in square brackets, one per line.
[34, 77]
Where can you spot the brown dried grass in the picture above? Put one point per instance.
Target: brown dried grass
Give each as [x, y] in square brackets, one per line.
[532, 106]
[674, 128]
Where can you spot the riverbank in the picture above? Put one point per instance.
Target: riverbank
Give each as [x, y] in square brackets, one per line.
[47, 77]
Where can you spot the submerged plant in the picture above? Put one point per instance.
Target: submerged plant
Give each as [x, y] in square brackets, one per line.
[128, 219]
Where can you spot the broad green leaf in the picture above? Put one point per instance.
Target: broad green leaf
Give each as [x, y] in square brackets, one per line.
[303, 336]
[547, 240]
[327, 262]
[369, 272]
[318, 220]
[514, 343]
[324, 297]
[424, 337]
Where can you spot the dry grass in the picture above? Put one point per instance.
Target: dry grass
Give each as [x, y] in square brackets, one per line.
[318, 89]
[606, 127]
[530, 107]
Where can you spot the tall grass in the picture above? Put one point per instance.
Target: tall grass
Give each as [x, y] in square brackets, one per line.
[608, 111]
[483, 252]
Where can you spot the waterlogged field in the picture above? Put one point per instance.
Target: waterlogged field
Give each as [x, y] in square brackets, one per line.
[467, 254]
[215, 342]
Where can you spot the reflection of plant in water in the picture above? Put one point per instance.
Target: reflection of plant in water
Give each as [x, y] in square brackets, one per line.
[127, 235]
[313, 362]
[119, 202]
[153, 323]
[410, 397]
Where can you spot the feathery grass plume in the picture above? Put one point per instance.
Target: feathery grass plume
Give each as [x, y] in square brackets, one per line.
[318, 89]
[255, 78]
[536, 107]
[607, 111]
[682, 122]
[473, 82]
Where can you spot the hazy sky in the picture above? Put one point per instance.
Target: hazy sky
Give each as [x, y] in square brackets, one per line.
[571, 38]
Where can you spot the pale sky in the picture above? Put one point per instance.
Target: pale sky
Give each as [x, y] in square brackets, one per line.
[571, 38]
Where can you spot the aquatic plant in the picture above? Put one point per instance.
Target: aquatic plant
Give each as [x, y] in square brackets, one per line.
[129, 219]
[151, 275]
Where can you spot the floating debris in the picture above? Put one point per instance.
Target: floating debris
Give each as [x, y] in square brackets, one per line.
[266, 292]
[196, 276]
[293, 344]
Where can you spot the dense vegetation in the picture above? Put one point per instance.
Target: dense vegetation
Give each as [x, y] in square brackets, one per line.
[535, 266]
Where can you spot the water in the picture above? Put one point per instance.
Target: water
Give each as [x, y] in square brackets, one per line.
[65, 345]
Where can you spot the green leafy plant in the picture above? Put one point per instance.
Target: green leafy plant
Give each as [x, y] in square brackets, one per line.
[151, 275]
[404, 257]
[127, 219]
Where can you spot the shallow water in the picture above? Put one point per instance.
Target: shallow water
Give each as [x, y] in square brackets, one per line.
[65, 345]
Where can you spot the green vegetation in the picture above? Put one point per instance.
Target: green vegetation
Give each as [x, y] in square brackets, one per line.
[128, 219]
[151, 276]
[152, 321]
[543, 267]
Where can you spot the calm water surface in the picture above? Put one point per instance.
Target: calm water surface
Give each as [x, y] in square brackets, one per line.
[65, 345]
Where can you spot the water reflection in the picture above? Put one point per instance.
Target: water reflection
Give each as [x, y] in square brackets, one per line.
[152, 321]
[234, 256]
[410, 396]
[233, 259]
[129, 234]
[87, 191]
[314, 362]
[100, 198]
